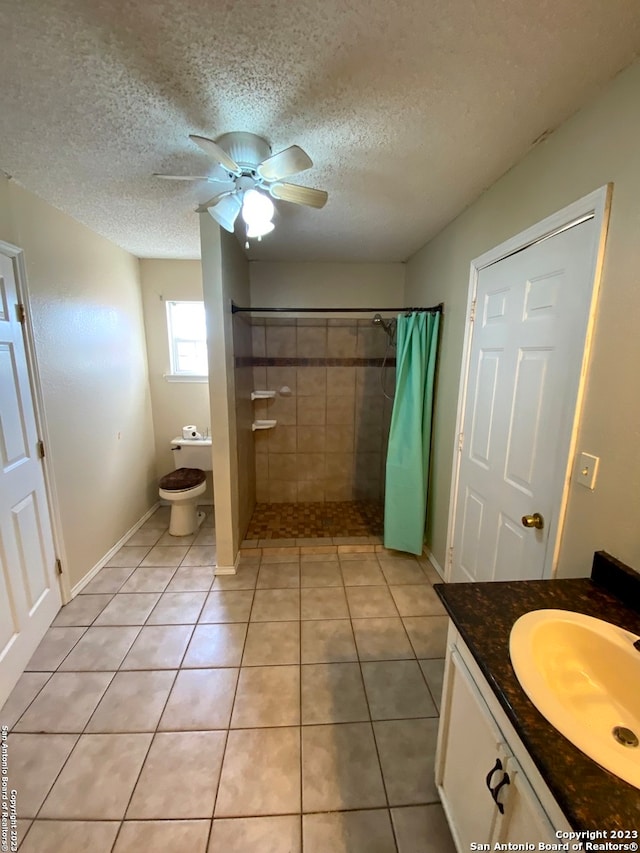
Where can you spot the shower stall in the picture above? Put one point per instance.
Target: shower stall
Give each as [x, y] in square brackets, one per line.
[323, 383]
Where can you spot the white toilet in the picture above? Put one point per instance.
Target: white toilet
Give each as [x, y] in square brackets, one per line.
[183, 487]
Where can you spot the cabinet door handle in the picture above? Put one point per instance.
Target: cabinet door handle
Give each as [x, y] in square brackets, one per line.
[495, 791]
[497, 766]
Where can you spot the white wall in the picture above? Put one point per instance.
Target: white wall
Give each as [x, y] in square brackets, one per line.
[225, 278]
[597, 145]
[89, 335]
[277, 284]
[173, 403]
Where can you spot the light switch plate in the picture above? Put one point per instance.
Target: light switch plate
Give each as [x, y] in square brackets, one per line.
[587, 470]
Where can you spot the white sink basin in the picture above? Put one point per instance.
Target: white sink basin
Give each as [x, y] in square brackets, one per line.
[583, 675]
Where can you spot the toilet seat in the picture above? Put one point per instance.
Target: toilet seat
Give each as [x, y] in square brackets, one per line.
[181, 488]
[182, 480]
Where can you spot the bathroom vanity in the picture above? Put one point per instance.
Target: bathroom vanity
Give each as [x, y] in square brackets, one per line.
[504, 774]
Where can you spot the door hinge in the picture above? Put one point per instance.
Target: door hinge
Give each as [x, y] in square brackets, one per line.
[460, 442]
[40, 446]
[21, 314]
[472, 313]
[450, 557]
[58, 566]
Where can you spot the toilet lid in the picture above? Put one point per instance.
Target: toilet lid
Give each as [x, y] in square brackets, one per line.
[182, 478]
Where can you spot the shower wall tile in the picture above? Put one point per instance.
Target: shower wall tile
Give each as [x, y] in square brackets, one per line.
[278, 377]
[338, 492]
[368, 436]
[312, 342]
[283, 466]
[261, 441]
[339, 466]
[312, 381]
[282, 409]
[368, 382]
[311, 439]
[280, 341]
[342, 342]
[372, 342]
[259, 378]
[258, 341]
[282, 439]
[311, 411]
[340, 410]
[367, 466]
[366, 490]
[341, 381]
[311, 466]
[339, 438]
[282, 491]
[311, 490]
[368, 410]
[262, 467]
[331, 434]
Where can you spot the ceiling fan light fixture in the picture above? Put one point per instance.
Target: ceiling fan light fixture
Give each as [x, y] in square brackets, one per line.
[257, 207]
[259, 229]
[226, 211]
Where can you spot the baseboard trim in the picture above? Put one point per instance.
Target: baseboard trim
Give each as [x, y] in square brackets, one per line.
[228, 570]
[434, 562]
[104, 560]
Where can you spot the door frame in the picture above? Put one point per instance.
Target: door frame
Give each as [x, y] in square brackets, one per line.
[22, 290]
[596, 205]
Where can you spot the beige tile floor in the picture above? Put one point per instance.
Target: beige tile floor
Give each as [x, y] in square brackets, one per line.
[290, 708]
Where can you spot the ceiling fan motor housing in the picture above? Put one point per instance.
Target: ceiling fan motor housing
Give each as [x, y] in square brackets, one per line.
[247, 149]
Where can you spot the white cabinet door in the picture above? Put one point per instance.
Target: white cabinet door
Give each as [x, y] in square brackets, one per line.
[524, 820]
[470, 749]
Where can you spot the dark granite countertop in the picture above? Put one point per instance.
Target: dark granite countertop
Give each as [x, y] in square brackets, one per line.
[591, 797]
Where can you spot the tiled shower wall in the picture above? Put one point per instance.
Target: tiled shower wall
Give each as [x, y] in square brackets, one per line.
[244, 416]
[332, 426]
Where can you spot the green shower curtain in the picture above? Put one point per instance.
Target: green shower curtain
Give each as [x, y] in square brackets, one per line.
[410, 432]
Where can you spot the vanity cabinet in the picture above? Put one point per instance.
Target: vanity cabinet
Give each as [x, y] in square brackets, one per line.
[490, 790]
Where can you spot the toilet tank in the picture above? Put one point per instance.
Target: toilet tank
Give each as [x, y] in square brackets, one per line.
[192, 453]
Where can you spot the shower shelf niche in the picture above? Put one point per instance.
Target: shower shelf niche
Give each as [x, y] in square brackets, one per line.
[263, 425]
[263, 395]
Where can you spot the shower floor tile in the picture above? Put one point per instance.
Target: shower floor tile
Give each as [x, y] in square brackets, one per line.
[331, 519]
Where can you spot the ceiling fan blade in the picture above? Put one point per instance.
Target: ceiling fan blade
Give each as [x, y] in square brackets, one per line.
[299, 195]
[191, 178]
[224, 209]
[288, 162]
[181, 177]
[218, 153]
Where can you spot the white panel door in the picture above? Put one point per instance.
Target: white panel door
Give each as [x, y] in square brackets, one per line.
[531, 317]
[29, 590]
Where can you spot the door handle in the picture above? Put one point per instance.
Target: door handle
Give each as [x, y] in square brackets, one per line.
[495, 791]
[535, 520]
[497, 766]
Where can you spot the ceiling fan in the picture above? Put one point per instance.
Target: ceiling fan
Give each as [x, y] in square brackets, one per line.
[249, 173]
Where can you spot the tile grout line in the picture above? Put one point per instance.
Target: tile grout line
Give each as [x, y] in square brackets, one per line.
[300, 709]
[153, 736]
[375, 742]
[228, 730]
[144, 760]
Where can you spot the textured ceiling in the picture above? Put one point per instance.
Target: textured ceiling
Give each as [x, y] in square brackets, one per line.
[408, 108]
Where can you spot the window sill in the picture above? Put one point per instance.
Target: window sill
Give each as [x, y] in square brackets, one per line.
[176, 377]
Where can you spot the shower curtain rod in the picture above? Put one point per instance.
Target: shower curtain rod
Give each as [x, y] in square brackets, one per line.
[434, 309]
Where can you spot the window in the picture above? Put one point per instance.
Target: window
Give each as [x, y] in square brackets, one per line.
[187, 339]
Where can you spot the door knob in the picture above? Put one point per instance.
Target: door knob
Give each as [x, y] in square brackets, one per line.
[535, 520]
